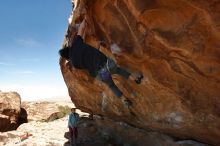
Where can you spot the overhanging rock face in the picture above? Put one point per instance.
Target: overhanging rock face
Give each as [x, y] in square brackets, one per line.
[175, 44]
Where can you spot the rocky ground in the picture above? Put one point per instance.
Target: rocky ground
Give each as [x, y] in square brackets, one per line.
[98, 131]
[41, 134]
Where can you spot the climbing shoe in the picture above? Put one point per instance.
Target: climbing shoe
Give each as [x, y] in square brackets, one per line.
[139, 78]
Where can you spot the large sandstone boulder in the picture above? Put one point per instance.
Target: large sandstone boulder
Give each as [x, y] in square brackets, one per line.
[175, 44]
[10, 104]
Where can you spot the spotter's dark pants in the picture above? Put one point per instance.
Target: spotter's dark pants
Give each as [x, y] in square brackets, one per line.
[73, 135]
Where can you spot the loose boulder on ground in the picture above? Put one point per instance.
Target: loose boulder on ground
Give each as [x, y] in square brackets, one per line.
[10, 105]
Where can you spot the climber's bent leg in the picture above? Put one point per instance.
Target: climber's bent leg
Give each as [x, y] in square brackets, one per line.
[105, 76]
[114, 69]
[122, 72]
[114, 88]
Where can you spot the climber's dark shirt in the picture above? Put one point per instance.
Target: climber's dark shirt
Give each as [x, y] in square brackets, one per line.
[84, 56]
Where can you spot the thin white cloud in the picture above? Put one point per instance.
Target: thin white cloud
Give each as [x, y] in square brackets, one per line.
[30, 42]
[6, 64]
[30, 59]
[24, 72]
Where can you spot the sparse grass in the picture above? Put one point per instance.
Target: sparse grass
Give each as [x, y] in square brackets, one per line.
[65, 110]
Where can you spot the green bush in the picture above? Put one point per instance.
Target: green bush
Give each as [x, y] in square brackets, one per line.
[65, 110]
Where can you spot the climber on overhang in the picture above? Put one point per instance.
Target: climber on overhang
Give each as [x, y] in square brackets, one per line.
[83, 56]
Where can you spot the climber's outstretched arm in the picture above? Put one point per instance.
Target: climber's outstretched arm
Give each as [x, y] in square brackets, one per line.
[81, 30]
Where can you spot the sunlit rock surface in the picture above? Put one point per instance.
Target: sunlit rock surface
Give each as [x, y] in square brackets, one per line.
[10, 104]
[175, 44]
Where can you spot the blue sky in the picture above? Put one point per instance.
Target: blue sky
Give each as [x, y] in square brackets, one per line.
[31, 33]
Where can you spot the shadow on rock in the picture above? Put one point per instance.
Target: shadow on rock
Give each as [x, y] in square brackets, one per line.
[22, 117]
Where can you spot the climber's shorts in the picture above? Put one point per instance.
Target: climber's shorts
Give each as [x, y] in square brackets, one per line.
[105, 72]
[105, 75]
